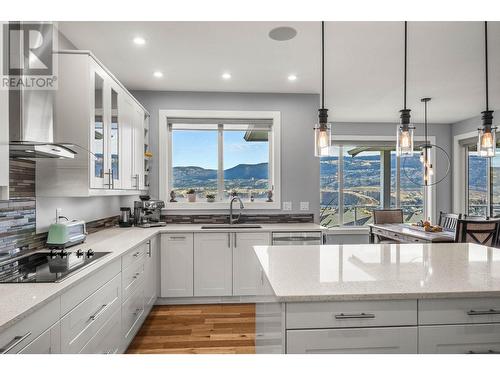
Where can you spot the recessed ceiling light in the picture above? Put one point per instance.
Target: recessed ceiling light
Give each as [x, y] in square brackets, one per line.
[139, 41]
[158, 74]
[282, 33]
[292, 77]
[226, 76]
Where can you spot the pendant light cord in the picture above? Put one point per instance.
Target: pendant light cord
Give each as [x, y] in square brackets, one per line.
[486, 61]
[323, 64]
[406, 42]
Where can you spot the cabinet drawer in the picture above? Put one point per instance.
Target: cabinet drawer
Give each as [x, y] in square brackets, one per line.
[88, 286]
[133, 255]
[401, 340]
[48, 342]
[460, 339]
[131, 277]
[29, 328]
[132, 311]
[107, 339]
[83, 322]
[351, 314]
[459, 311]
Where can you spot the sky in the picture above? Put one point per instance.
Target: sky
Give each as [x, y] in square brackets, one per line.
[199, 148]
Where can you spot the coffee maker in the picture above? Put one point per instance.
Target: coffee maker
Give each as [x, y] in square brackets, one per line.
[147, 212]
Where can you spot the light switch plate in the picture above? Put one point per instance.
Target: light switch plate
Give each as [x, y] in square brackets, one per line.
[287, 206]
[304, 206]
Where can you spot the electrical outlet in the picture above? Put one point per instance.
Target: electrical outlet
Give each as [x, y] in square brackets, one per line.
[59, 212]
[304, 206]
[287, 206]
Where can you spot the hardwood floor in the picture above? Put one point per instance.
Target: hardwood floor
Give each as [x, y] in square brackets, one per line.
[197, 329]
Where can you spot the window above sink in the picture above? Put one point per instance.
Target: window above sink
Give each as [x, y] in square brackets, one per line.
[217, 154]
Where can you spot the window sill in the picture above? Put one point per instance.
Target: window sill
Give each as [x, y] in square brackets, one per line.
[361, 230]
[221, 206]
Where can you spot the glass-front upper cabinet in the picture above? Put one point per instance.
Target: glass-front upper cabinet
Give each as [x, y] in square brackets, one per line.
[114, 141]
[98, 134]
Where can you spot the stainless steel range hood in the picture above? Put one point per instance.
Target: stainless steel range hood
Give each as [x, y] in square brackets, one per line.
[31, 126]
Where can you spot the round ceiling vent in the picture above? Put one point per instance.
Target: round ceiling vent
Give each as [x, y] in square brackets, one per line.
[282, 33]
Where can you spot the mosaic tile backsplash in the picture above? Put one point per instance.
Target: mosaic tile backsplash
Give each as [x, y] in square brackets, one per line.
[221, 219]
[18, 215]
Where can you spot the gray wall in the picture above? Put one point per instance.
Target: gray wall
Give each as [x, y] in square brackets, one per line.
[470, 124]
[299, 168]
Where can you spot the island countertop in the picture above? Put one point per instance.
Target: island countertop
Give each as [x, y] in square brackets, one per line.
[380, 271]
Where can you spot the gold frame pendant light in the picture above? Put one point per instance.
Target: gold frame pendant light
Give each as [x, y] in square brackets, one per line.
[322, 130]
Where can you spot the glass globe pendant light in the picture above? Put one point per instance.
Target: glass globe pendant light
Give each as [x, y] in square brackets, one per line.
[486, 142]
[322, 130]
[404, 135]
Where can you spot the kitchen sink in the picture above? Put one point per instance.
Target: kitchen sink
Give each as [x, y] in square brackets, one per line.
[231, 226]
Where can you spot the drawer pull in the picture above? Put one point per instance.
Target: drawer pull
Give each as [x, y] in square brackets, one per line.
[137, 254]
[137, 311]
[16, 340]
[489, 351]
[136, 275]
[355, 316]
[177, 238]
[483, 312]
[99, 312]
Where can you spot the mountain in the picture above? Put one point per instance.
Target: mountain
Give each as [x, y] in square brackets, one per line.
[247, 171]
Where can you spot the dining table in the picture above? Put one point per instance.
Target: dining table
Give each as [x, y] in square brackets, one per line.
[408, 233]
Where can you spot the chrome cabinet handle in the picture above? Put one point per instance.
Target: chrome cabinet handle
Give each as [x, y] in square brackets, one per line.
[229, 240]
[12, 343]
[177, 237]
[136, 275]
[235, 241]
[149, 248]
[136, 178]
[137, 311]
[137, 254]
[355, 316]
[489, 351]
[108, 173]
[99, 312]
[483, 312]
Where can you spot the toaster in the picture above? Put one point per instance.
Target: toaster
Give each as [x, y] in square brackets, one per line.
[65, 234]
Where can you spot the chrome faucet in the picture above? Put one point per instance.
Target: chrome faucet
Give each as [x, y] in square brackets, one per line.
[231, 219]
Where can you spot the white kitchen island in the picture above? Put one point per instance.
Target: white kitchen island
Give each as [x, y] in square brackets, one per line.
[408, 298]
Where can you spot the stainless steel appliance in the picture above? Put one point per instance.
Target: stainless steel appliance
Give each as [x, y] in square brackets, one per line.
[45, 266]
[125, 217]
[147, 212]
[67, 233]
[297, 238]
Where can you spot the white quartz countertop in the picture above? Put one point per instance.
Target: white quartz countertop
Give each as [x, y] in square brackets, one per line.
[18, 300]
[381, 271]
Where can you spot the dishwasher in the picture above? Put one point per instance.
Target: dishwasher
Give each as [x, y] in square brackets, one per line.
[297, 238]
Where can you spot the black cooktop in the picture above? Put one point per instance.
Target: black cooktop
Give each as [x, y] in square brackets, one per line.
[46, 266]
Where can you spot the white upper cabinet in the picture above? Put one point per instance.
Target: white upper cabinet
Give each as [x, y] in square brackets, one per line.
[94, 112]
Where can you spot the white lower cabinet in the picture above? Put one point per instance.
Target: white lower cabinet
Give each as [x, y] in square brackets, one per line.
[400, 340]
[213, 264]
[460, 339]
[83, 322]
[107, 339]
[177, 265]
[48, 342]
[248, 277]
[151, 272]
[132, 313]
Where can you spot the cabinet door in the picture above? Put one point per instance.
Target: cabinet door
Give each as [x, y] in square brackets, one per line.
[138, 147]
[48, 342]
[151, 269]
[98, 128]
[248, 277]
[213, 264]
[126, 119]
[459, 339]
[177, 265]
[115, 137]
[400, 340]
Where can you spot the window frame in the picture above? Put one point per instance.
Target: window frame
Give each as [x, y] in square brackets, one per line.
[165, 158]
[429, 192]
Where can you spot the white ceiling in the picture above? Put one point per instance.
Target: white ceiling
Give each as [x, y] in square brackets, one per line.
[363, 67]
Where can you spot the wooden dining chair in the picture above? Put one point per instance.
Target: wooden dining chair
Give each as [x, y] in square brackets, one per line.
[448, 221]
[484, 232]
[387, 216]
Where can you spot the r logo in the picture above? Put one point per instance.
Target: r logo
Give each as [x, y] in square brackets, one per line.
[28, 49]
